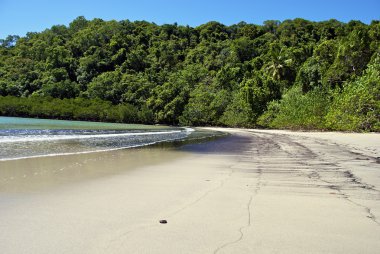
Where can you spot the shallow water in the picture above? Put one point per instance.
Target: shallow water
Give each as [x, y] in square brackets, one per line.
[26, 137]
[35, 123]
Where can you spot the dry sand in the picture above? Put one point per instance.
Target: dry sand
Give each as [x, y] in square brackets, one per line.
[252, 192]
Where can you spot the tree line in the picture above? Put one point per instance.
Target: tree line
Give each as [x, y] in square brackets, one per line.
[294, 74]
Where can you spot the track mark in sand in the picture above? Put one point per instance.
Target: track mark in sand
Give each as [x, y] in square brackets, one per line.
[370, 215]
[240, 229]
[249, 216]
[352, 180]
[143, 227]
[202, 196]
[122, 235]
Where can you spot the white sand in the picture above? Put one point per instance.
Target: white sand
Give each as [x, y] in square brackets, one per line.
[365, 143]
[253, 192]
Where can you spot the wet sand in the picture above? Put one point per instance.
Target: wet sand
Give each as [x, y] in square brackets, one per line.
[251, 192]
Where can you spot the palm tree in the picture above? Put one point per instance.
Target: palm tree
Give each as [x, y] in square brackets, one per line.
[278, 63]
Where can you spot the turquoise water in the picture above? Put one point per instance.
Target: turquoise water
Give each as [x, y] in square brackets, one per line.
[27, 137]
[34, 123]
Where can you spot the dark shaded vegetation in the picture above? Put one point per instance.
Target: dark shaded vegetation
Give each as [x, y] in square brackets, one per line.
[75, 109]
[293, 74]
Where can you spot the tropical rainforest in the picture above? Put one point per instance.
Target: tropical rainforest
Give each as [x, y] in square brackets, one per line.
[294, 74]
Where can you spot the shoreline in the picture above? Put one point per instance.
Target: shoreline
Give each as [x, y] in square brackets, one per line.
[170, 126]
[253, 191]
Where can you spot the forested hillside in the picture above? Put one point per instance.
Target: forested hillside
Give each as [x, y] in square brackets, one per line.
[290, 74]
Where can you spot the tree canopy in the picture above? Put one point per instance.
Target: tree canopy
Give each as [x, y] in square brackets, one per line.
[291, 74]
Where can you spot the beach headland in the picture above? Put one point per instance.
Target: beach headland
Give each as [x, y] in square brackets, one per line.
[254, 191]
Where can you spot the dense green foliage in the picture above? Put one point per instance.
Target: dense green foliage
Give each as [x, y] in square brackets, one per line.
[76, 109]
[290, 74]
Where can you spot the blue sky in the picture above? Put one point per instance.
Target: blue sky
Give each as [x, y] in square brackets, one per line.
[21, 16]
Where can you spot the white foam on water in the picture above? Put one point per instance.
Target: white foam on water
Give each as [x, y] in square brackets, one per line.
[32, 141]
[34, 138]
[89, 151]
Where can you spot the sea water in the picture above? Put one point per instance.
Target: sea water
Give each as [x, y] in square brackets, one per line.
[27, 137]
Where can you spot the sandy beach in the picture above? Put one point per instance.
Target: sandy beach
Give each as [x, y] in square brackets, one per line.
[254, 191]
